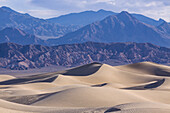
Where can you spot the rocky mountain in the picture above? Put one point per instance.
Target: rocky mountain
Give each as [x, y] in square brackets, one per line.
[88, 17]
[18, 36]
[32, 25]
[14, 56]
[122, 27]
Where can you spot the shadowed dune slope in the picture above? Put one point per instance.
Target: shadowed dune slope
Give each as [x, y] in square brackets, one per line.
[136, 88]
[147, 68]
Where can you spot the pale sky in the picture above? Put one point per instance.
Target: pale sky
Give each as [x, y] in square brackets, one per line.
[51, 8]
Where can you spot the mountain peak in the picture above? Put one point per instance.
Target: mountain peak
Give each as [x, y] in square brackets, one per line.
[7, 9]
[101, 10]
[126, 17]
[161, 20]
[124, 13]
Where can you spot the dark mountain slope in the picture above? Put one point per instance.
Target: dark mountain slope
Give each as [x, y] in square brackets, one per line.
[15, 56]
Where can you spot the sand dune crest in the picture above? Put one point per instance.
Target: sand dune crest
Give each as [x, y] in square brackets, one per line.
[135, 88]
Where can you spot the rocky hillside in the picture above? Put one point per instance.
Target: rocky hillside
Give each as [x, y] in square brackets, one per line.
[15, 56]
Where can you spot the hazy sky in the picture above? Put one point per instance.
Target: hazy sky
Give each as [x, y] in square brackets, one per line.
[51, 8]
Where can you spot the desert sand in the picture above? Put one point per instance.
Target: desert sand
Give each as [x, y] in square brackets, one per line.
[92, 88]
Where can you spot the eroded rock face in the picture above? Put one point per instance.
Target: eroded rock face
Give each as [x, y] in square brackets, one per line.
[15, 56]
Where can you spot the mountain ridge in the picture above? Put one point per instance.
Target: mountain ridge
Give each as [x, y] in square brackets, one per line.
[82, 18]
[32, 25]
[14, 56]
[88, 17]
[122, 27]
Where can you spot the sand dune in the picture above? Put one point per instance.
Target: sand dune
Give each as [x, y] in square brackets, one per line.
[135, 88]
[6, 77]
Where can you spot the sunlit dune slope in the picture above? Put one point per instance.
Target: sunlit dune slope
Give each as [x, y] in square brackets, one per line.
[135, 88]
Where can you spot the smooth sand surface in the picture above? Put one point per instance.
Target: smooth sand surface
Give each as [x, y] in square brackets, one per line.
[92, 88]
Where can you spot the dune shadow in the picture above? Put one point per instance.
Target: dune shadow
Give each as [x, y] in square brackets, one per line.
[155, 85]
[84, 70]
[28, 99]
[113, 109]
[148, 86]
[160, 72]
[31, 79]
[99, 85]
[151, 69]
[4, 87]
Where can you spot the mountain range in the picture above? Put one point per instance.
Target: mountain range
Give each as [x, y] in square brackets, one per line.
[117, 39]
[32, 25]
[58, 26]
[14, 56]
[88, 17]
[122, 27]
